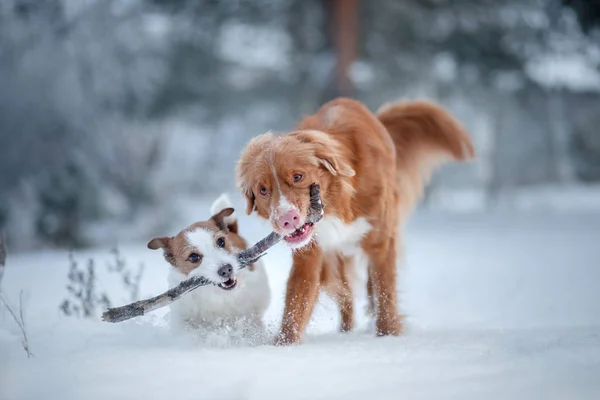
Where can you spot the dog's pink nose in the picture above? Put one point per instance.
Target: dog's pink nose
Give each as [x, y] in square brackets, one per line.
[289, 219]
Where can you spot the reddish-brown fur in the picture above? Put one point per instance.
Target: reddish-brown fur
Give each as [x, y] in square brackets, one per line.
[369, 166]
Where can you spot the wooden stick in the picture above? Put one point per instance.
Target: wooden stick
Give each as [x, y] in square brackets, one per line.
[245, 258]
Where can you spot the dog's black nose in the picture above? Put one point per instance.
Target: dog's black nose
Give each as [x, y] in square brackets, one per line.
[225, 271]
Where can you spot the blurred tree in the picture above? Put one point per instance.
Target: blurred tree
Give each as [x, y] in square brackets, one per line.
[94, 93]
[588, 13]
[472, 54]
[69, 70]
[341, 28]
[61, 206]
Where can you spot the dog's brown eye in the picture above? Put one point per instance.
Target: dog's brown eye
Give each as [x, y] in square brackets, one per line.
[221, 242]
[194, 258]
[264, 191]
[298, 177]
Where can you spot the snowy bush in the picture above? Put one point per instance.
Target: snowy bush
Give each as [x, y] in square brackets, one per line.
[130, 281]
[84, 299]
[16, 313]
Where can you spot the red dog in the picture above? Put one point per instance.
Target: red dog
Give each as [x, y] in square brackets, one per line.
[372, 169]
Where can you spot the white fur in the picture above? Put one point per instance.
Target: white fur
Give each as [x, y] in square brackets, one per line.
[332, 234]
[213, 258]
[221, 203]
[335, 236]
[210, 306]
[285, 205]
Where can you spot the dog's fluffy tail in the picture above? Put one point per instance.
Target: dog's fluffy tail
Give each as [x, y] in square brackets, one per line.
[221, 203]
[426, 136]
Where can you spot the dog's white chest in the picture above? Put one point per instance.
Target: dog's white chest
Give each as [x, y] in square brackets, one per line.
[332, 234]
[208, 304]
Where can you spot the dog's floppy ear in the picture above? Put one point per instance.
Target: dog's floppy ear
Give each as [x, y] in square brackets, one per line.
[219, 218]
[163, 243]
[160, 243]
[327, 153]
[246, 167]
[246, 190]
[249, 202]
[334, 165]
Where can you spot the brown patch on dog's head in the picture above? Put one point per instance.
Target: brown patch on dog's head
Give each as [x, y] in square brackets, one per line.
[191, 247]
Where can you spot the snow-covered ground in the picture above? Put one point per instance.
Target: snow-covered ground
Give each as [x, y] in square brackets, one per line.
[500, 305]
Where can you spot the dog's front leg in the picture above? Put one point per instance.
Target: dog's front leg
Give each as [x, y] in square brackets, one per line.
[382, 273]
[301, 295]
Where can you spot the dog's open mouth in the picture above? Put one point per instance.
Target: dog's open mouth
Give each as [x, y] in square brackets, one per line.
[228, 284]
[300, 235]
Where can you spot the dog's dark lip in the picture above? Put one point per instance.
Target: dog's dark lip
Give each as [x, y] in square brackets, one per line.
[228, 284]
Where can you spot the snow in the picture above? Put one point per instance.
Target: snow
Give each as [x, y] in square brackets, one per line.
[501, 305]
[551, 198]
[571, 71]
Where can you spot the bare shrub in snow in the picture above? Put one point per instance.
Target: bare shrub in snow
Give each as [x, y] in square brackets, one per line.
[131, 281]
[77, 77]
[84, 297]
[18, 317]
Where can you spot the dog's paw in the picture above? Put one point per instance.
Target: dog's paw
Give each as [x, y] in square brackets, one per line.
[285, 340]
[389, 325]
[347, 326]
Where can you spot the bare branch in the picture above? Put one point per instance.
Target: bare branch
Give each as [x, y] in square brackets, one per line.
[245, 257]
[20, 321]
[25, 341]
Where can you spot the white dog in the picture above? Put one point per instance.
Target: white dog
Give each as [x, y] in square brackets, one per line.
[208, 249]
